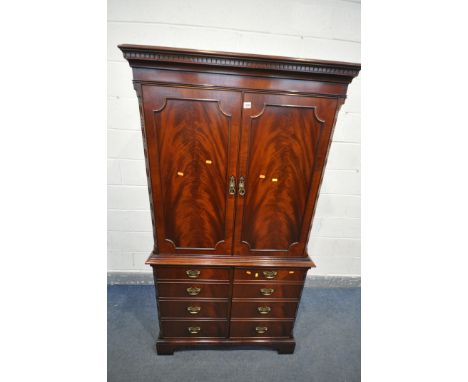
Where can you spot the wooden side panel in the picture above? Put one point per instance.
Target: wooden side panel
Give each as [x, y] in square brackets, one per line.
[192, 148]
[284, 145]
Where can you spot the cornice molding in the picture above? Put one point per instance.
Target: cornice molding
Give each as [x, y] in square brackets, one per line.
[138, 54]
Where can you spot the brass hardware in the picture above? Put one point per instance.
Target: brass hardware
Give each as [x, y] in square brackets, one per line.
[291, 272]
[267, 291]
[193, 291]
[208, 161]
[241, 186]
[262, 176]
[232, 185]
[193, 309]
[261, 329]
[256, 274]
[194, 329]
[192, 273]
[274, 179]
[270, 274]
[180, 173]
[264, 309]
[248, 272]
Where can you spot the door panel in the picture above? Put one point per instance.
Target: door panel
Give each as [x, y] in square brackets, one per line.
[283, 149]
[192, 142]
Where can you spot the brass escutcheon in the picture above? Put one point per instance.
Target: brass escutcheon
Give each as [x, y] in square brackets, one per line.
[193, 309]
[193, 291]
[270, 274]
[192, 273]
[261, 329]
[266, 291]
[264, 309]
[194, 329]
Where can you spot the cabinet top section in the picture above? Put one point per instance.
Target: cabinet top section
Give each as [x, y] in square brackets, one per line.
[144, 55]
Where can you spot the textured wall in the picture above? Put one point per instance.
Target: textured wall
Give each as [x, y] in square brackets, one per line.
[322, 29]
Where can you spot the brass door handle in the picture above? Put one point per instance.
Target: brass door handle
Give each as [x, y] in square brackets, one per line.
[232, 185]
[264, 309]
[266, 291]
[193, 291]
[261, 329]
[241, 186]
[192, 273]
[194, 329]
[193, 309]
[270, 274]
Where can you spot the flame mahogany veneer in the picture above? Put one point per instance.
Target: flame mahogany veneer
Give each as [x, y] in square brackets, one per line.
[235, 148]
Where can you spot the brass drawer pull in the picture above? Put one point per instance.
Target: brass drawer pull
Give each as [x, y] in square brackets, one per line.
[232, 185]
[193, 309]
[241, 186]
[261, 329]
[266, 291]
[270, 274]
[264, 309]
[193, 291]
[194, 329]
[192, 273]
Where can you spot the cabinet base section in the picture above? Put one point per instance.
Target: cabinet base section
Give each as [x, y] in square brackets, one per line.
[281, 345]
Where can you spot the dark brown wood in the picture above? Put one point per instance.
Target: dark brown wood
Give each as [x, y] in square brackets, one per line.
[191, 273]
[207, 117]
[270, 309]
[254, 290]
[193, 309]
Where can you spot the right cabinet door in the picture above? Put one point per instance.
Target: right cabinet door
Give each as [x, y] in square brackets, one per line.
[284, 144]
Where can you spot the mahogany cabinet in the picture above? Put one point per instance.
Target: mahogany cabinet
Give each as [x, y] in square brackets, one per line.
[235, 149]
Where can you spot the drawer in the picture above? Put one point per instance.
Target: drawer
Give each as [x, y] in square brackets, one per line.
[262, 290]
[191, 273]
[190, 289]
[263, 309]
[261, 328]
[193, 329]
[262, 274]
[193, 309]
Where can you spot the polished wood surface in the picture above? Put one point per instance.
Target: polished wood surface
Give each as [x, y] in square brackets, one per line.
[179, 289]
[269, 328]
[193, 309]
[191, 273]
[235, 147]
[263, 309]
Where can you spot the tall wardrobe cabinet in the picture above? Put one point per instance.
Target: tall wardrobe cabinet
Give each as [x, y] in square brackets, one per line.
[235, 149]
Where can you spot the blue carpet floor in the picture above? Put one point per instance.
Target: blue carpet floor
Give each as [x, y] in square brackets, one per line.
[327, 333]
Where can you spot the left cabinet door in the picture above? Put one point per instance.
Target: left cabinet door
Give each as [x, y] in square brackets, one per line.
[192, 139]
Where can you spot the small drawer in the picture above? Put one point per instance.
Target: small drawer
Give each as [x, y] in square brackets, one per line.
[261, 328]
[191, 273]
[193, 329]
[263, 290]
[262, 274]
[193, 309]
[263, 309]
[191, 289]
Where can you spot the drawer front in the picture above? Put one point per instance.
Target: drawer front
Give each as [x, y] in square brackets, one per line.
[193, 328]
[262, 274]
[261, 328]
[191, 273]
[263, 290]
[263, 309]
[192, 290]
[193, 309]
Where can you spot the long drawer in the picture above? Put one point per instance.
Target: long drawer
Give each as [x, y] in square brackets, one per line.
[193, 329]
[262, 290]
[191, 273]
[259, 274]
[261, 328]
[192, 289]
[263, 309]
[193, 309]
